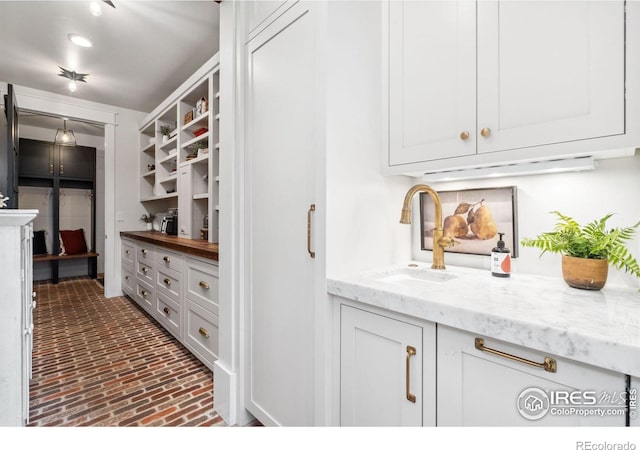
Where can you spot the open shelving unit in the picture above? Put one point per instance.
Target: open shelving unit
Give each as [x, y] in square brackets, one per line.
[183, 171]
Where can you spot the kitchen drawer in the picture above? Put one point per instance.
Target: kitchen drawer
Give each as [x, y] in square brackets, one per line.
[146, 253]
[144, 296]
[145, 272]
[168, 314]
[201, 333]
[128, 279]
[168, 283]
[202, 284]
[168, 260]
[128, 252]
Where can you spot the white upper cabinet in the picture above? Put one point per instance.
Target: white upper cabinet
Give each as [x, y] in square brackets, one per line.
[476, 83]
[432, 80]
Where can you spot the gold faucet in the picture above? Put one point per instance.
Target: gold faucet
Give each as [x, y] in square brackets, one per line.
[439, 241]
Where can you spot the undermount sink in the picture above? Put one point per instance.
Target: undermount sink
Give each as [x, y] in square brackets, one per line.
[414, 276]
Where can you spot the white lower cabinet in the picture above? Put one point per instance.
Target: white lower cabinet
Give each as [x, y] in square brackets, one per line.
[178, 290]
[398, 371]
[387, 370]
[479, 387]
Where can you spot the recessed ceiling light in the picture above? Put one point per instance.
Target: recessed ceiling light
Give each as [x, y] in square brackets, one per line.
[80, 41]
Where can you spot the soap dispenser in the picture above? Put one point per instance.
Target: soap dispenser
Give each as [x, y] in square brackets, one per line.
[500, 259]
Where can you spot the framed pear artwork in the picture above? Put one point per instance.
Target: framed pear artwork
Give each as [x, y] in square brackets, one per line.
[473, 217]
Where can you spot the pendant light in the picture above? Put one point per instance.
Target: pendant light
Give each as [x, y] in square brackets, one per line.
[65, 137]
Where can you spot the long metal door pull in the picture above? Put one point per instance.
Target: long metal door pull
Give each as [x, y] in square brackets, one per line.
[311, 209]
[411, 351]
[549, 364]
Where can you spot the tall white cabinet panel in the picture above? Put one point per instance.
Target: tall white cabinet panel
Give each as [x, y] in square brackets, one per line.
[381, 376]
[432, 74]
[549, 72]
[477, 388]
[282, 146]
[16, 317]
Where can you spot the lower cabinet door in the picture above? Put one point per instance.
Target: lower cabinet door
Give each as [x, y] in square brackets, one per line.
[478, 387]
[144, 296]
[168, 314]
[201, 333]
[128, 279]
[381, 371]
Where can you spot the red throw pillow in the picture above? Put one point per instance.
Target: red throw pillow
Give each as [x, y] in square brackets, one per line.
[73, 241]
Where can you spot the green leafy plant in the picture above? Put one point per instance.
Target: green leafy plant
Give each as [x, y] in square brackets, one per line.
[165, 130]
[592, 241]
[148, 218]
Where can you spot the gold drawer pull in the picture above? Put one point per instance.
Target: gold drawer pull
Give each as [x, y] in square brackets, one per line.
[144, 293]
[166, 259]
[126, 277]
[127, 252]
[203, 332]
[204, 285]
[549, 364]
[485, 132]
[144, 270]
[166, 310]
[167, 281]
[312, 208]
[464, 135]
[411, 351]
[143, 251]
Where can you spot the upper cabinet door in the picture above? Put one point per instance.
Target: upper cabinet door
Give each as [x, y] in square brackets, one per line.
[549, 72]
[432, 72]
[77, 162]
[36, 159]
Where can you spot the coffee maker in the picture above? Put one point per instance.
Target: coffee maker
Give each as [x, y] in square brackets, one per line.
[170, 222]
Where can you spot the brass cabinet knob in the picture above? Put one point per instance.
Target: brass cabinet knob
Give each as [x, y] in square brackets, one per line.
[166, 310]
[167, 281]
[203, 332]
[144, 293]
[485, 132]
[127, 277]
[464, 135]
[204, 285]
[144, 270]
[166, 259]
[143, 251]
[127, 252]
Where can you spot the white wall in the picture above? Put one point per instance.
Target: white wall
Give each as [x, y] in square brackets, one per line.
[363, 206]
[585, 196]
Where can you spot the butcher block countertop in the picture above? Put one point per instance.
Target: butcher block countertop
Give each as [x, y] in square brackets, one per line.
[194, 247]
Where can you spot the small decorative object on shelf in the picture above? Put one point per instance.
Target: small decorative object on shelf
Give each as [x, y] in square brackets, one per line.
[202, 106]
[151, 167]
[204, 234]
[188, 117]
[200, 131]
[148, 219]
[165, 131]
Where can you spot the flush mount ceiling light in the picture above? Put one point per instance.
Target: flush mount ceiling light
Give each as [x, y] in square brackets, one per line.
[79, 40]
[64, 136]
[74, 77]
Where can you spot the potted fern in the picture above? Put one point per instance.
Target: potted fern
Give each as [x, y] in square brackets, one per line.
[587, 250]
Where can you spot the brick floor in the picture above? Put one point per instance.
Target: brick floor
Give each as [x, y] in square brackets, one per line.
[105, 362]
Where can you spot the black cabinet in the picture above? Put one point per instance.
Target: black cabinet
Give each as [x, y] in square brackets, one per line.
[36, 159]
[44, 160]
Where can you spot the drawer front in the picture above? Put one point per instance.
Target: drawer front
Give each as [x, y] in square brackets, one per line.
[168, 314]
[128, 280]
[146, 254]
[128, 252]
[145, 272]
[202, 284]
[168, 283]
[201, 333]
[168, 260]
[144, 296]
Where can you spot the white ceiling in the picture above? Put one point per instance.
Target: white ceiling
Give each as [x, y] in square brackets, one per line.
[142, 50]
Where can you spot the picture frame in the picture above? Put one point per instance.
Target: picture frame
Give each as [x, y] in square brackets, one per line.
[460, 209]
[188, 117]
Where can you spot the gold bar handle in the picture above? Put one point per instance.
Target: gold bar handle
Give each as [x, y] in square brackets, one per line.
[203, 332]
[50, 168]
[411, 351]
[311, 209]
[549, 364]
[204, 285]
[61, 168]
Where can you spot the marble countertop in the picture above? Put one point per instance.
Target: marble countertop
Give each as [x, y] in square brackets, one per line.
[601, 328]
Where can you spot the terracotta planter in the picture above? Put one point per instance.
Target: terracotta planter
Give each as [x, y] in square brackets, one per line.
[583, 273]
